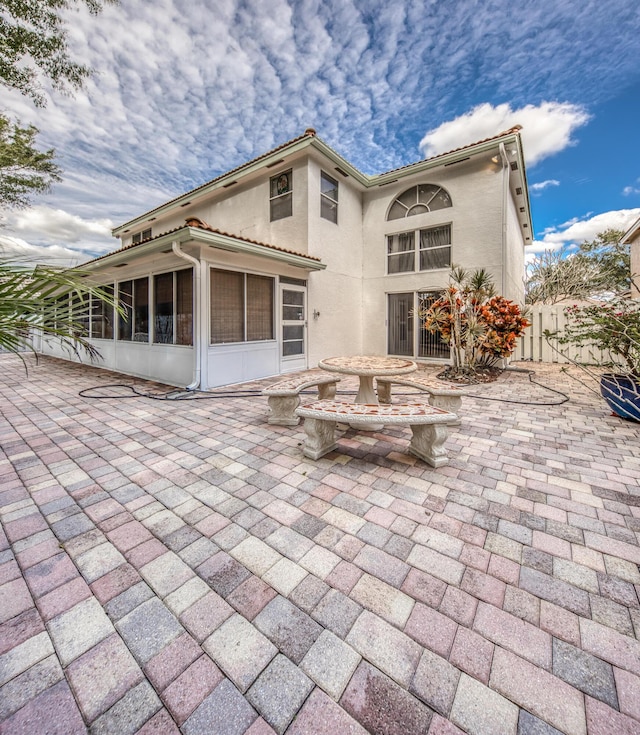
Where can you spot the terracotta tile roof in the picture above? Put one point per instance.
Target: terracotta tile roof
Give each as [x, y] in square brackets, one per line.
[199, 224]
[511, 131]
[311, 133]
[308, 133]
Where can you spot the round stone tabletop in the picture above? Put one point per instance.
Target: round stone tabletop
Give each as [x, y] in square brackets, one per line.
[368, 365]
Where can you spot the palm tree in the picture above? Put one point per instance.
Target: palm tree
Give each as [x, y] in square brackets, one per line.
[54, 302]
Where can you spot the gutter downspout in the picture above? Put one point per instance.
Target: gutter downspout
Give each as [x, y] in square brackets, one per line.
[505, 201]
[197, 313]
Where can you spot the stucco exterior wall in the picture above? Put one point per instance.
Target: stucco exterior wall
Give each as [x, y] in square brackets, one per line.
[337, 291]
[476, 223]
[513, 284]
[243, 210]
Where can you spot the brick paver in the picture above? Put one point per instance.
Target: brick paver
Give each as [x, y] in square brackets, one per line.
[179, 567]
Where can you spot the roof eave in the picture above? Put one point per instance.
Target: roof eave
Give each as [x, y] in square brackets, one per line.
[211, 239]
[317, 143]
[224, 242]
[219, 183]
[442, 160]
[525, 188]
[633, 230]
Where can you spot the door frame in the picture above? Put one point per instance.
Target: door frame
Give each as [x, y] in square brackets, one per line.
[290, 363]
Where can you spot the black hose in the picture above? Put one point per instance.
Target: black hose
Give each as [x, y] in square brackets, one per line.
[182, 394]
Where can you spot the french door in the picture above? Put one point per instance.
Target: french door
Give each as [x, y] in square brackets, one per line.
[293, 328]
[405, 334]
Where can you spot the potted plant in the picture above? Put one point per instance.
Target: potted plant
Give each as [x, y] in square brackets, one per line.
[613, 328]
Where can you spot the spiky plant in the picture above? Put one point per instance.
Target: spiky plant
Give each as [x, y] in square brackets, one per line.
[479, 326]
[52, 302]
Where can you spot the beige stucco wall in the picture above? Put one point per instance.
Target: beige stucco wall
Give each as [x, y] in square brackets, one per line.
[351, 293]
[512, 286]
[243, 210]
[337, 291]
[476, 192]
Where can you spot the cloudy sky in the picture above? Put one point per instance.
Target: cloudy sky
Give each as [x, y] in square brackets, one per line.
[185, 90]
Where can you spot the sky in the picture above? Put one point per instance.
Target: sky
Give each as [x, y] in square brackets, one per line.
[184, 90]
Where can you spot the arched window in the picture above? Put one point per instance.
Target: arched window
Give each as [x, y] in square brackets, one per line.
[418, 200]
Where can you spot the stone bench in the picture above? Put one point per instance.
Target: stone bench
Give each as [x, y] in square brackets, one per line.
[428, 424]
[283, 397]
[446, 396]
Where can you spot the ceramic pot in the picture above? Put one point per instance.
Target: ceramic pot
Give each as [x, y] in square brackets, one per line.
[622, 393]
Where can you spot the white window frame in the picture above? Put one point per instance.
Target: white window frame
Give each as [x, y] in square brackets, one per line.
[245, 275]
[420, 205]
[418, 250]
[140, 236]
[279, 196]
[333, 203]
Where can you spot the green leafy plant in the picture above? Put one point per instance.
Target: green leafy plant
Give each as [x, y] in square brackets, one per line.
[613, 327]
[24, 170]
[34, 44]
[48, 301]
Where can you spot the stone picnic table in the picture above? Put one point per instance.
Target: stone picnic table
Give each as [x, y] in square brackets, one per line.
[367, 367]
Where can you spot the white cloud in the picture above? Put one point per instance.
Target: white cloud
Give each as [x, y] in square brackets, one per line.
[542, 185]
[58, 224]
[546, 129]
[55, 234]
[634, 189]
[21, 251]
[577, 231]
[187, 89]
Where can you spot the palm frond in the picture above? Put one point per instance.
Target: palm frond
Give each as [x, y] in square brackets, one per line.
[53, 302]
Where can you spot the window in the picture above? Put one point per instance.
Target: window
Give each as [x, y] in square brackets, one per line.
[259, 307]
[80, 315]
[281, 196]
[134, 297]
[184, 307]
[404, 325]
[430, 344]
[241, 307]
[102, 316]
[419, 200]
[328, 198]
[434, 250]
[400, 321]
[163, 309]
[401, 251]
[125, 320]
[173, 308]
[140, 236]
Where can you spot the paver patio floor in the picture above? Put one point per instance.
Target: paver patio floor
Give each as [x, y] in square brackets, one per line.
[180, 567]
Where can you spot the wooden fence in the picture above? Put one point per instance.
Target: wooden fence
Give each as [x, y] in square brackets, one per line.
[535, 347]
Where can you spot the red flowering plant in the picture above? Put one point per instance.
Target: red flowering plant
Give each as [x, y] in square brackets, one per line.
[480, 327]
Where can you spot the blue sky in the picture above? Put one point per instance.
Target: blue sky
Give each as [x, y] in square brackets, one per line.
[187, 89]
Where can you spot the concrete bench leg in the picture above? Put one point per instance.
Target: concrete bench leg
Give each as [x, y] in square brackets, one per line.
[448, 403]
[283, 410]
[321, 437]
[384, 390]
[327, 391]
[427, 443]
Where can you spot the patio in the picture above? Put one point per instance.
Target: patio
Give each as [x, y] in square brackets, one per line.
[180, 567]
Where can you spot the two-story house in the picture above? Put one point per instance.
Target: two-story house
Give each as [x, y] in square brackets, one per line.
[297, 256]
